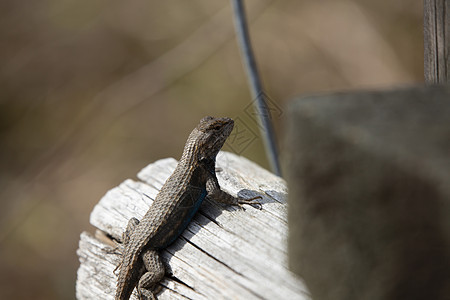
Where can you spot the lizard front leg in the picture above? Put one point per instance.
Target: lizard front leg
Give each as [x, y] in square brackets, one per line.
[217, 194]
[118, 249]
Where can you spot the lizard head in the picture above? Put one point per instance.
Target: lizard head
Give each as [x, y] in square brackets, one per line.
[210, 135]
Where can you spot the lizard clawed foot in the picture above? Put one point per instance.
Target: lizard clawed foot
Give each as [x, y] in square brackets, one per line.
[114, 250]
[251, 201]
[117, 268]
[146, 295]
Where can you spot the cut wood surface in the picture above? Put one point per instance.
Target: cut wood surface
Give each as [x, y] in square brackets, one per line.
[225, 253]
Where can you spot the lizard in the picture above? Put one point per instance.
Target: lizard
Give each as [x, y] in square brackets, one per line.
[193, 179]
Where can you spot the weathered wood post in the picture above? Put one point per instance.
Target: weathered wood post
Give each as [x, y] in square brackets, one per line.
[368, 176]
[225, 253]
[436, 40]
[369, 195]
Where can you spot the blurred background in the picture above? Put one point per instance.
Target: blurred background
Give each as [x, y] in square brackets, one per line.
[93, 91]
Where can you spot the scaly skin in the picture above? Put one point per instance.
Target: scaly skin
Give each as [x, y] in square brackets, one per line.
[178, 200]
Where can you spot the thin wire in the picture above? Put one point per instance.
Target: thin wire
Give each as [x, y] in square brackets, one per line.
[262, 110]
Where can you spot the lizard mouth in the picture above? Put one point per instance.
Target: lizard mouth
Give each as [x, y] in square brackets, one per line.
[228, 126]
[226, 129]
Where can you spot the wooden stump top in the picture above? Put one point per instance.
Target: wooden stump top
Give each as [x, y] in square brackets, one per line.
[225, 253]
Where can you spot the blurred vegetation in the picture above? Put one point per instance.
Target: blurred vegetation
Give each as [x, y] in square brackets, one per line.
[92, 91]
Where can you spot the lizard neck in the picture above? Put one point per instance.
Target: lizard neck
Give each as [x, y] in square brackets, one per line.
[202, 147]
[190, 153]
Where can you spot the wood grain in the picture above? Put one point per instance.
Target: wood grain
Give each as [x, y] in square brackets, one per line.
[225, 253]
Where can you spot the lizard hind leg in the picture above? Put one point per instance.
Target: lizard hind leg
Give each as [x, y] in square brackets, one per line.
[155, 273]
[132, 223]
[118, 249]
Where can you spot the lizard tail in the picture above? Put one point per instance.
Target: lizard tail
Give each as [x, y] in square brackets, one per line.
[128, 278]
